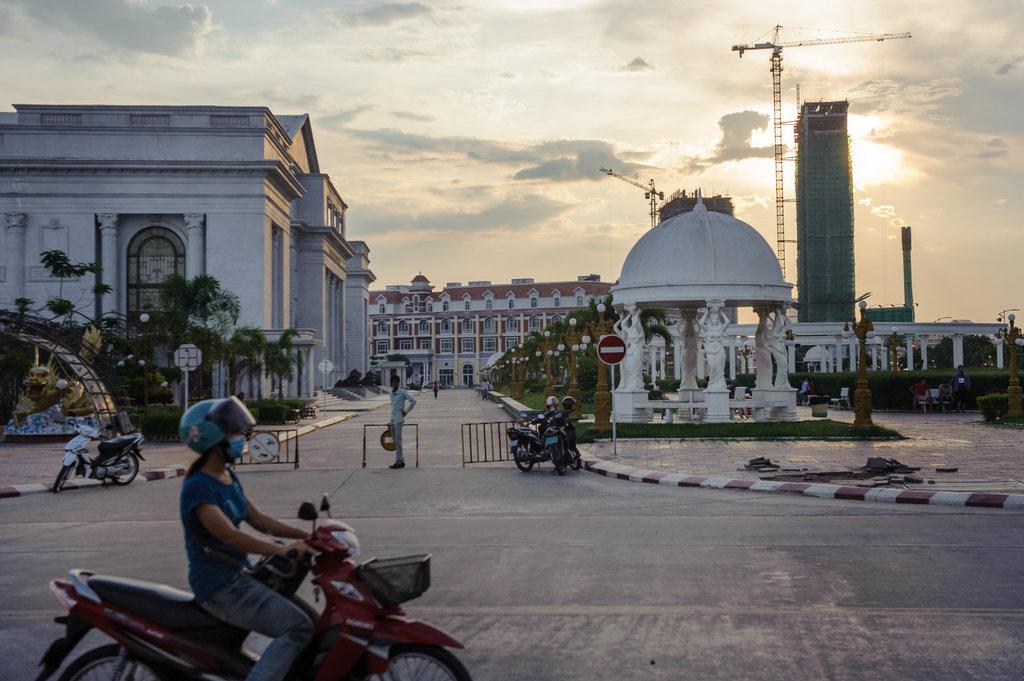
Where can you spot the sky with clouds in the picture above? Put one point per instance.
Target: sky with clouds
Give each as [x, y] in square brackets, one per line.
[467, 136]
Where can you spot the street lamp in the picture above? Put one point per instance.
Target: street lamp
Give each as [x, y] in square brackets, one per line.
[864, 330]
[602, 397]
[894, 342]
[1013, 336]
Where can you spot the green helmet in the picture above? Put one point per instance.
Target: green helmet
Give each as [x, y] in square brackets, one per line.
[208, 423]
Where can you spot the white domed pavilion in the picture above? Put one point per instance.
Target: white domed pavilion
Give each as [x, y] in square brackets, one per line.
[700, 263]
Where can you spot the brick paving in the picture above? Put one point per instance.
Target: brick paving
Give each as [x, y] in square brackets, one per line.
[988, 458]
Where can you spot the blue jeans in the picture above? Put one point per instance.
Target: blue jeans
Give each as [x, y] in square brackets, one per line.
[246, 603]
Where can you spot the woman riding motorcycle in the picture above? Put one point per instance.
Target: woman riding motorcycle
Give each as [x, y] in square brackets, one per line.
[213, 505]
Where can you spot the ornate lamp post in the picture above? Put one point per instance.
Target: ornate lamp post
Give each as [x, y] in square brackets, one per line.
[549, 388]
[143, 319]
[602, 397]
[894, 342]
[1013, 336]
[864, 330]
[574, 388]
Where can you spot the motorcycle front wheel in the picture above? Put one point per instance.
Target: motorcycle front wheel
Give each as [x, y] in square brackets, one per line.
[62, 477]
[129, 471]
[520, 456]
[575, 460]
[408, 663]
[107, 663]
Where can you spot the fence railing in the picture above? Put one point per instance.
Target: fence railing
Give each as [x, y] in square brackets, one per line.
[485, 442]
[272, 446]
[383, 427]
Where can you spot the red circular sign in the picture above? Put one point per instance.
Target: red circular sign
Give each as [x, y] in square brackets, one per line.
[611, 349]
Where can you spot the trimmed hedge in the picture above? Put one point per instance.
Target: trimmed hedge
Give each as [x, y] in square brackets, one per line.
[160, 423]
[993, 407]
[892, 391]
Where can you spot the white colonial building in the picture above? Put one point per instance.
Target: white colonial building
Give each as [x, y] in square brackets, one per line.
[148, 191]
[449, 335]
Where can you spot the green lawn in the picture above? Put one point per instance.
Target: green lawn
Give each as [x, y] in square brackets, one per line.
[1008, 422]
[774, 430]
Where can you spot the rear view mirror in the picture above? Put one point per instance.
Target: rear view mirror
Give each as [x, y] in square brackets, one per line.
[307, 511]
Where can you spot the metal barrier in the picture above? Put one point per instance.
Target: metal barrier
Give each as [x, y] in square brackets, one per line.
[272, 446]
[384, 427]
[485, 442]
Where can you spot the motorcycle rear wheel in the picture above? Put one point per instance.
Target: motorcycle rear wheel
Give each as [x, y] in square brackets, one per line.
[423, 662]
[102, 663]
[62, 477]
[575, 460]
[522, 463]
[558, 458]
[133, 470]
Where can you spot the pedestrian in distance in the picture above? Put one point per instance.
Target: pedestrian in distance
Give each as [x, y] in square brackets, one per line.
[241, 397]
[921, 394]
[961, 387]
[399, 398]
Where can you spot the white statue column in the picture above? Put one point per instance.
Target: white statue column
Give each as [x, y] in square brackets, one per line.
[108, 260]
[999, 353]
[958, 350]
[792, 358]
[910, 352]
[713, 322]
[630, 399]
[689, 350]
[677, 365]
[732, 358]
[16, 254]
[195, 248]
[923, 342]
[762, 352]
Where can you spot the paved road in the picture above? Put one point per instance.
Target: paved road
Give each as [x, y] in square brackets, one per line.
[584, 578]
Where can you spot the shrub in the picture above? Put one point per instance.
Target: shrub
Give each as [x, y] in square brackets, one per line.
[273, 413]
[371, 379]
[668, 385]
[160, 423]
[993, 407]
[655, 395]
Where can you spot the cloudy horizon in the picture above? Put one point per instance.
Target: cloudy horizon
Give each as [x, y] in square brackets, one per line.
[467, 137]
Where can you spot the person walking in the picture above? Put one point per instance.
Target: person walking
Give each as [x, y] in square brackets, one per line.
[435, 388]
[961, 388]
[399, 398]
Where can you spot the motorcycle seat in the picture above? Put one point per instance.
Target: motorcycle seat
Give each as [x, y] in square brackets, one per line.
[158, 603]
[116, 445]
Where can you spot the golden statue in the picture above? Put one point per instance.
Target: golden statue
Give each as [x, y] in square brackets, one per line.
[92, 341]
[43, 390]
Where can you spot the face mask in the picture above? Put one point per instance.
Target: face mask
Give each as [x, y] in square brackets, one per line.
[236, 446]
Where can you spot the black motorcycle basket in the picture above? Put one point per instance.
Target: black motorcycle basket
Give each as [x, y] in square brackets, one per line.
[397, 580]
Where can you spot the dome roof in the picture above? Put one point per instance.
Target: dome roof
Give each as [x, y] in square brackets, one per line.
[420, 279]
[698, 256]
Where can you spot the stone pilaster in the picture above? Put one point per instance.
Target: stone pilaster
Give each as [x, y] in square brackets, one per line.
[15, 225]
[195, 248]
[108, 260]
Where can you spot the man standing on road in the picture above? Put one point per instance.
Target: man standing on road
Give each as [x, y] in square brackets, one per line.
[435, 386]
[398, 411]
[961, 386]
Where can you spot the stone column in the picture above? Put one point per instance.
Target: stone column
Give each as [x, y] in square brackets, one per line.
[910, 352]
[854, 354]
[195, 248]
[999, 353]
[108, 260]
[924, 352]
[16, 253]
[792, 359]
[958, 350]
[732, 359]
[677, 366]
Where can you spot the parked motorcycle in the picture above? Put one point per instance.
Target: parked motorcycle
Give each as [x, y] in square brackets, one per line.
[118, 459]
[161, 633]
[546, 437]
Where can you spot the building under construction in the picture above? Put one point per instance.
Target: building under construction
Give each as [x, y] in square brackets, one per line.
[824, 213]
[681, 202]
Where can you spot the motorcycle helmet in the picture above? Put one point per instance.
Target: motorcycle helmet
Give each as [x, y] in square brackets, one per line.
[208, 423]
[568, 403]
[551, 401]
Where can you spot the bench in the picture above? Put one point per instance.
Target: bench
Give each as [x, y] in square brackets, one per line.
[841, 402]
[309, 412]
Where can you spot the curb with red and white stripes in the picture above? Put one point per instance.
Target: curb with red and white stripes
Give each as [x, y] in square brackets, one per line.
[11, 491]
[896, 496]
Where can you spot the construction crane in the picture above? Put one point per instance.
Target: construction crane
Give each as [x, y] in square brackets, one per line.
[650, 193]
[776, 60]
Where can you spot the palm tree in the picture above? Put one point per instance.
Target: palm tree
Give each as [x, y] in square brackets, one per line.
[279, 359]
[248, 346]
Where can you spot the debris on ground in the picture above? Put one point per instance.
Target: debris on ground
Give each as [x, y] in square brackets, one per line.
[877, 464]
[946, 469]
[762, 464]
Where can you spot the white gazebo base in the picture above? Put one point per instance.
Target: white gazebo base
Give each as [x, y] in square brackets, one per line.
[631, 407]
[717, 406]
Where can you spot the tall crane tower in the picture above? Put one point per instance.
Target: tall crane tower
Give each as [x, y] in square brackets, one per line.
[650, 193]
[776, 60]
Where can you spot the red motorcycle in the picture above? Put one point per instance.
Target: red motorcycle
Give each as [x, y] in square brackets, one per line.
[161, 633]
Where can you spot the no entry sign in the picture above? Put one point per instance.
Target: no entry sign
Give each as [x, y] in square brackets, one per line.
[611, 349]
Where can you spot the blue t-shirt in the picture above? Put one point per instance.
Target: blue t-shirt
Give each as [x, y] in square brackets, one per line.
[209, 573]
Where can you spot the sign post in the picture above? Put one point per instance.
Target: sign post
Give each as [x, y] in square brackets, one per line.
[187, 357]
[611, 350]
[326, 366]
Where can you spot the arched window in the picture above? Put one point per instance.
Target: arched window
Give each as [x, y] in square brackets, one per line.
[467, 303]
[488, 303]
[430, 306]
[446, 326]
[511, 324]
[558, 301]
[154, 255]
[511, 303]
[467, 326]
[534, 323]
[403, 328]
[489, 326]
[579, 301]
[533, 301]
[445, 305]
[382, 329]
[381, 308]
[424, 327]
[467, 375]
